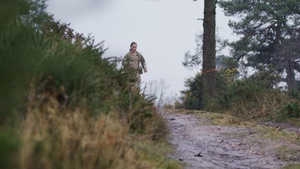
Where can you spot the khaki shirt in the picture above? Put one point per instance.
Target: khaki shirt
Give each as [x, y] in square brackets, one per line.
[134, 61]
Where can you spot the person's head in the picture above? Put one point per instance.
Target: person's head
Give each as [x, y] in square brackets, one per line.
[133, 46]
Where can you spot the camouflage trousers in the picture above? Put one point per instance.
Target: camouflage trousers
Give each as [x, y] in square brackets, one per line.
[135, 81]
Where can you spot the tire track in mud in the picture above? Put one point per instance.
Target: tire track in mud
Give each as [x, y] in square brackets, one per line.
[203, 146]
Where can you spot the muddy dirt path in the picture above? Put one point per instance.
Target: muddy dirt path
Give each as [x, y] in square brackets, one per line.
[201, 145]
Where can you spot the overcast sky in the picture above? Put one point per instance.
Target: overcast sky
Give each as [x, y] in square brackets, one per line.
[163, 29]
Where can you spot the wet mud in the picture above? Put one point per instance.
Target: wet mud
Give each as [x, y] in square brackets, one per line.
[204, 146]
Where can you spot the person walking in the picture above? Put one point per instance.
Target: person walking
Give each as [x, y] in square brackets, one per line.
[134, 63]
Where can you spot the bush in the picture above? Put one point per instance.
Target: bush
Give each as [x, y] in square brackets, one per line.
[192, 96]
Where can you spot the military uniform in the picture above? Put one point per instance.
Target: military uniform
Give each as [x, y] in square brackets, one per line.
[134, 64]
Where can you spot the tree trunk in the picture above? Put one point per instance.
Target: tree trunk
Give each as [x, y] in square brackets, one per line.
[290, 76]
[209, 51]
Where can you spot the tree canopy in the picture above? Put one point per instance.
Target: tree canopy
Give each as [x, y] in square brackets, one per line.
[264, 28]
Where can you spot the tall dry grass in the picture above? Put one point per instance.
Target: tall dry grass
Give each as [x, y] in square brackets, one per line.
[55, 137]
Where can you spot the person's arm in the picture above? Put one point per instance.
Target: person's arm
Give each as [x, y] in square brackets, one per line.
[143, 62]
[124, 61]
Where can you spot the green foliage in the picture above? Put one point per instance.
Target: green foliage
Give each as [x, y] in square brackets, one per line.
[264, 28]
[248, 98]
[16, 64]
[192, 96]
[291, 166]
[9, 14]
[246, 91]
[9, 145]
[291, 109]
[59, 86]
[193, 60]
[56, 67]
[48, 70]
[242, 95]
[226, 62]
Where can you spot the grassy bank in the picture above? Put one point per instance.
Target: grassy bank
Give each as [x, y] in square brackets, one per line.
[63, 105]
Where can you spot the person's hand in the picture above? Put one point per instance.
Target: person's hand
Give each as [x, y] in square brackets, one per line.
[145, 70]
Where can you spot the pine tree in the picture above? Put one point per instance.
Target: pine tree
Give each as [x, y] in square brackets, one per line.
[263, 26]
[209, 51]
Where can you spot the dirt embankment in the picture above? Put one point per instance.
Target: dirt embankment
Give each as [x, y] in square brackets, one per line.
[200, 144]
